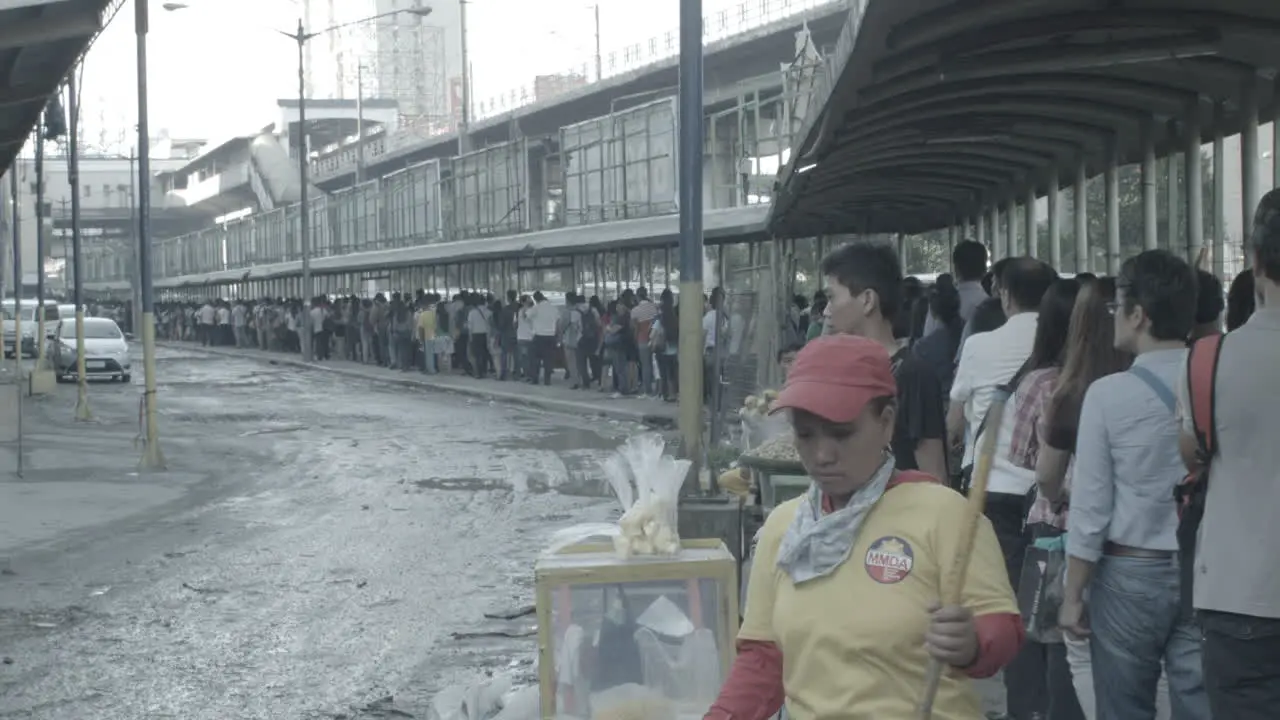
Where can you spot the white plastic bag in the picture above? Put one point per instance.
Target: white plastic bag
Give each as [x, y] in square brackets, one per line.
[647, 483]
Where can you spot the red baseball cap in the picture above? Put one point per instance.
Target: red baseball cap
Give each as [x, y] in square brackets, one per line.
[835, 376]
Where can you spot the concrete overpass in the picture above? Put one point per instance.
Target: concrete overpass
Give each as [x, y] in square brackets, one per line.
[952, 113]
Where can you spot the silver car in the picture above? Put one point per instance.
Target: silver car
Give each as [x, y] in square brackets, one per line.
[106, 351]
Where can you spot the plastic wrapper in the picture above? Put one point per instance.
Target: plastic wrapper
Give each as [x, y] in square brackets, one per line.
[647, 483]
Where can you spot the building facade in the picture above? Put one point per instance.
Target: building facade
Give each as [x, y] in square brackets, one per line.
[404, 57]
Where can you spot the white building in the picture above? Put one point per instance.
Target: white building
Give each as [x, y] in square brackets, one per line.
[409, 58]
[108, 187]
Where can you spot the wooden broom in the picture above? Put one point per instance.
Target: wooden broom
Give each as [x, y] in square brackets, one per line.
[973, 515]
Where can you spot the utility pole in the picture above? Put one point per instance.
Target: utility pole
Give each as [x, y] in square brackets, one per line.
[152, 458]
[304, 210]
[599, 64]
[691, 254]
[77, 259]
[359, 122]
[41, 129]
[17, 306]
[464, 132]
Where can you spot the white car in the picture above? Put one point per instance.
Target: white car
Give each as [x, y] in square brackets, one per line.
[106, 351]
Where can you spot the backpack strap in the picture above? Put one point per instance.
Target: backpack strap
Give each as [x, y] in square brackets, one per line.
[1157, 386]
[1202, 390]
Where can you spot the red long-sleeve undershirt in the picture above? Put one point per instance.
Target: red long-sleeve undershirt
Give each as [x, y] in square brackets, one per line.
[754, 691]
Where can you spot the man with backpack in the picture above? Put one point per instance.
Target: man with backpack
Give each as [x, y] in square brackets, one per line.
[1229, 402]
[588, 341]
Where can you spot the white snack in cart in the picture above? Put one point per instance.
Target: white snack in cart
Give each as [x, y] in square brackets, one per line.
[647, 483]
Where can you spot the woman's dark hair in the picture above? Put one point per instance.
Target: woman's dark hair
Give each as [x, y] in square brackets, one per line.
[1240, 300]
[988, 316]
[669, 317]
[1209, 302]
[1052, 326]
[1090, 351]
[944, 304]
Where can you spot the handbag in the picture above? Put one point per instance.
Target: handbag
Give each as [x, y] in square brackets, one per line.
[1040, 586]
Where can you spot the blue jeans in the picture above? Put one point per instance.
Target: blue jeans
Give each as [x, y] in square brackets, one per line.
[429, 357]
[1137, 621]
[646, 369]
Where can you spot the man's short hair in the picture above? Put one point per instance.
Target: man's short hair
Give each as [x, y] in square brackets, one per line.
[1026, 280]
[863, 266]
[970, 259]
[1209, 300]
[1164, 286]
[1266, 235]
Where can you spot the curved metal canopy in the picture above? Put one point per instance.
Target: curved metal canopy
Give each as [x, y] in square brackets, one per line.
[40, 40]
[940, 108]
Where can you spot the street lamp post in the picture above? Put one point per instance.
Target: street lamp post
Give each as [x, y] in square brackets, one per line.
[77, 266]
[301, 36]
[152, 457]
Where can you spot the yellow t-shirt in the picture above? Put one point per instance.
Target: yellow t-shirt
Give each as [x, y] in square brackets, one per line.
[853, 642]
[427, 324]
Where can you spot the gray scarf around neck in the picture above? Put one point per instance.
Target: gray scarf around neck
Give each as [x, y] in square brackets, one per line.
[814, 545]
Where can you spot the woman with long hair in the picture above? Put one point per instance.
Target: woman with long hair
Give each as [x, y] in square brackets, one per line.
[1039, 681]
[667, 338]
[1091, 354]
[938, 349]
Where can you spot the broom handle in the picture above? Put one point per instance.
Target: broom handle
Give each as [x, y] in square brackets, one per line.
[973, 515]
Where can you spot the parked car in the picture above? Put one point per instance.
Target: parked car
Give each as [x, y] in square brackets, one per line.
[29, 324]
[106, 352]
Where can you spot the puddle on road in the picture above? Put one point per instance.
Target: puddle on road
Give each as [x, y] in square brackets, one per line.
[480, 484]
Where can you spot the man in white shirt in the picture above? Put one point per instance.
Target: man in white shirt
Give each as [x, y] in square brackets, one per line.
[319, 338]
[208, 321]
[987, 361]
[546, 321]
[224, 336]
[712, 325]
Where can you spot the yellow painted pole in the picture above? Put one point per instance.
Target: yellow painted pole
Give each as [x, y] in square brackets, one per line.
[152, 457]
[82, 384]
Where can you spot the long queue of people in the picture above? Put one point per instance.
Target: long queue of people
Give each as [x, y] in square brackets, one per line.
[1126, 570]
[627, 346]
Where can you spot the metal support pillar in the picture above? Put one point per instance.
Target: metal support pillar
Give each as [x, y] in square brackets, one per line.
[152, 458]
[40, 250]
[1250, 194]
[1055, 220]
[1195, 183]
[1111, 178]
[1080, 214]
[1029, 222]
[77, 257]
[1173, 208]
[980, 230]
[1219, 190]
[1011, 227]
[691, 244]
[1150, 227]
[304, 210]
[993, 228]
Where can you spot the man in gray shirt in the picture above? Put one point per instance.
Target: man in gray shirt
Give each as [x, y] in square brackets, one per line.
[1122, 528]
[969, 259]
[1237, 587]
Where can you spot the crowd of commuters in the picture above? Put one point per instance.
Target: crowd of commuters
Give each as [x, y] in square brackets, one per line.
[627, 346]
[1096, 436]
[1169, 596]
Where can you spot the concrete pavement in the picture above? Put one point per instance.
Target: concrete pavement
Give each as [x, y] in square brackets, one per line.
[555, 398]
[313, 548]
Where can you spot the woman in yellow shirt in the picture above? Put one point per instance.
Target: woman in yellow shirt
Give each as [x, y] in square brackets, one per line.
[842, 613]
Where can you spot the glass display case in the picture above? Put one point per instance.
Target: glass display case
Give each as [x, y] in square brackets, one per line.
[646, 638]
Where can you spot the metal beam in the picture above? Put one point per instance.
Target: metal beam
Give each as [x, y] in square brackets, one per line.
[51, 26]
[26, 93]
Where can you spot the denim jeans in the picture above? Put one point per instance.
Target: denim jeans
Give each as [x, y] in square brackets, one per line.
[646, 369]
[1137, 622]
[1241, 665]
[1078, 657]
[429, 357]
[524, 358]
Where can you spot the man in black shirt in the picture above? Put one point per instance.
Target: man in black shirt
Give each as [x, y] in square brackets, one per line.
[864, 296]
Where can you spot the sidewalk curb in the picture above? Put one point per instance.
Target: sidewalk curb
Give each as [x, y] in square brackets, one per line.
[571, 407]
